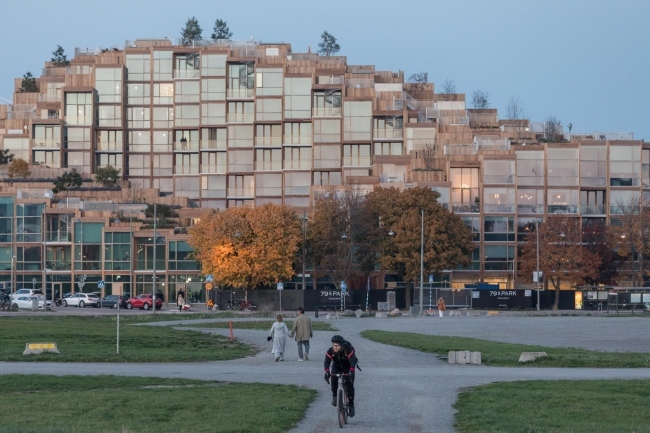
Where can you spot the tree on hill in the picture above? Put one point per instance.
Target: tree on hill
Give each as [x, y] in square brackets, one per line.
[66, 182]
[59, 58]
[107, 176]
[447, 89]
[18, 169]
[28, 84]
[417, 84]
[247, 247]
[221, 30]
[552, 129]
[562, 255]
[480, 99]
[328, 46]
[191, 32]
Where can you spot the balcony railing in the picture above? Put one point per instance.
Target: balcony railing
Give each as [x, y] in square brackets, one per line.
[297, 140]
[592, 209]
[357, 161]
[241, 118]
[240, 93]
[79, 120]
[536, 209]
[391, 178]
[498, 208]
[360, 83]
[498, 179]
[562, 209]
[268, 141]
[186, 146]
[187, 169]
[387, 133]
[465, 207]
[461, 149]
[268, 165]
[327, 112]
[612, 136]
[109, 147]
[58, 265]
[492, 144]
[187, 73]
[214, 144]
[47, 144]
[241, 192]
[213, 168]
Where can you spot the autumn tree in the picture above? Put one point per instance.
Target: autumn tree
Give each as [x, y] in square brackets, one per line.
[18, 169]
[341, 236]
[600, 239]
[631, 237]
[562, 255]
[191, 32]
[221, 30]
[447, 239]
[328, 46]
[68, 180]
[247, 247]
[59, 58]
[28, 85]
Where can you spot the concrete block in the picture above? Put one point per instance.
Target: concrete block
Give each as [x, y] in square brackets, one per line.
[475, 358]
[359, 313]
[492, 313]
[37, 348]
[451, 358]
[462, 357]
[531, 356]
[381, 315]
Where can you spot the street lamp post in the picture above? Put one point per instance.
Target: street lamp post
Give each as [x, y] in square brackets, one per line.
[537, 257]
[422, 262]
[81, 250]
[153, 297]
[45, 258]
[304, 219]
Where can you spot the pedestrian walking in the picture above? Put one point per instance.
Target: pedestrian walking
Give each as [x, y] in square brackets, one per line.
[441, 306]
[278, 334]
[302, 331]
[180, 300]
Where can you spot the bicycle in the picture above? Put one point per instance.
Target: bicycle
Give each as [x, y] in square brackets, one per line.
[232, 305]
[342, 407]
[245, 305]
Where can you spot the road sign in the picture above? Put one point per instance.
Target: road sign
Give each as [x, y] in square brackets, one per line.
[208, 286]
[209, 278]
[280, 286]
[431, 278]
[34, 282]
[101, 284]
[538, 276]
[344, 286]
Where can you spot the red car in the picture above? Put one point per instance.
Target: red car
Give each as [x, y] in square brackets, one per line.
[143, 301]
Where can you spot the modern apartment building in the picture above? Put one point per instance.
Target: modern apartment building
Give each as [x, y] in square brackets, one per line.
[222, 123]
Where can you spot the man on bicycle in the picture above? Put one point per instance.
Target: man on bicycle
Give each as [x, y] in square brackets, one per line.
[341, 358]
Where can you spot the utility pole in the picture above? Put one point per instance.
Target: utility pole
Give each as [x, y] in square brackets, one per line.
[153, 297]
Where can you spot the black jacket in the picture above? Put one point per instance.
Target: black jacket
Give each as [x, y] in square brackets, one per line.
[345, 360]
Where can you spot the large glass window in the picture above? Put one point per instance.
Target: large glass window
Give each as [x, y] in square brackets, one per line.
[499, 200]
[241, 82]
[624, 165]
[109, 116]
[619, 201]
[562, 167]
[592, 202]
[213, 65]
[213, 89]
[213, 162]
[6, 218]
[268, 135]
[297, 158]
[297, 183]
[464, 189]
[498, 171]
[139, 141]
[163, 117]
[474, 224]
[163, 165]
[499, 229]
[327, 157]
[475, 264]
[530, 168]
[214, 138]
[108, 82]
[79, 108]
[269, 82]
[593, 165]
[389, 148]
[47, 136]
[139, 165]
[268, 184]
[186, 115]
[213, 186]
[240, 111]
[29, 224]
[19, 147]
[78, 138]
[563, 201]
[297, 98]
[297, 133]
[327, 131]
[117, 251]
[357, 120]
[498, 257]
[268, 159]
[138, 94]
[268, 109]
[327, 103]
[240, 136]
[138, 117]
[180, 257]
[388, 127]
[645, 168]
[106, 159]
[163, 93]
[144, 254]
[327, 178]
[186, 139]
[186, 91]
[530, 201]
[162, 66]
[526, 226]
[88, 246]
[241, 186]
[138, 67]
[162, 141]
[47, 158]
[187, 65]
[240, 160]
[29, 258]
[186, 163]
[213, 113]
[357, 155]
[79, 161]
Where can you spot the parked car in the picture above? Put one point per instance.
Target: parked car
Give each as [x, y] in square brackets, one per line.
[112, 301]
[81, 300]
[27, 302]
[143, 301]
[27, 292]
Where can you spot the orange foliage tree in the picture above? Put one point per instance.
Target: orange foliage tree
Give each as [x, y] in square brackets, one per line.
[247, 247]
[563, 255]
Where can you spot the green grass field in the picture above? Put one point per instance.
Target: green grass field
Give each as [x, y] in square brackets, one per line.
[76, 404]
[507, 355]
[576, 406]
[94, 338]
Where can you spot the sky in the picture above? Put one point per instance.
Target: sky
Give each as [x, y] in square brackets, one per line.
[585, 63]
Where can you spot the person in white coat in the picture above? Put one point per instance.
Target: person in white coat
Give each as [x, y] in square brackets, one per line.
[278, 334]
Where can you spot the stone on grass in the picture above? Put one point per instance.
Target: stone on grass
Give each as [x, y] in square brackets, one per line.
[395, 312]
[360, 313]
[531, 356]
[381, 315]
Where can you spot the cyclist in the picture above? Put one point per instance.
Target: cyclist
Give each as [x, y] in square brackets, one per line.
[341, 358]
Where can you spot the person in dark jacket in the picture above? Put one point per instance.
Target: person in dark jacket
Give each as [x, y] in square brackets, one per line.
[340, 358]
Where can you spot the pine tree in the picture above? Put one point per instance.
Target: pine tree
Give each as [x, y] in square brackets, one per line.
[328, 45]
[221, 30]
[29, 84]
[191, 32]
[59, 59]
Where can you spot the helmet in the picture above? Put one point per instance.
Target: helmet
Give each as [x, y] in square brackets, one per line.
[338, 339]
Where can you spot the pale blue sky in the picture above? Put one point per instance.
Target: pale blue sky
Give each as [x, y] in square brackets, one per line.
[585, 62]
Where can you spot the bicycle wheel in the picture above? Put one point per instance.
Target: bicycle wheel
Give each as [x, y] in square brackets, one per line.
[341, 407]
[345, 406]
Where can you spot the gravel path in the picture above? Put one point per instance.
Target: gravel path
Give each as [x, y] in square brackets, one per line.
[399, 390]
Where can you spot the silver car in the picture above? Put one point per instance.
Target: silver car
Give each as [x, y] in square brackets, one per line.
[81, 300]
[27, 302]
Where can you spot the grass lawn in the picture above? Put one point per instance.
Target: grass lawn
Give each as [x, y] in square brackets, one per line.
[507, 355]
[66, 404]
[93, 339]
[577, 406]
[264, 325]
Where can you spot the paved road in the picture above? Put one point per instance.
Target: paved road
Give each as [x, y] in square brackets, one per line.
[399, 390]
